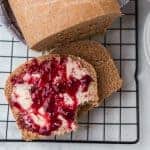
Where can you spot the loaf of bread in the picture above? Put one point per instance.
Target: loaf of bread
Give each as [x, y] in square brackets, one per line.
[93, 52]
[47, 23]
[45, 94]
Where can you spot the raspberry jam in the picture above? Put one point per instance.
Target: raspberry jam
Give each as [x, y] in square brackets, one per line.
[51, 94]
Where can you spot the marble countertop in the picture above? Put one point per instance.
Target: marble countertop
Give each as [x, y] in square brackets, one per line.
[144, 83]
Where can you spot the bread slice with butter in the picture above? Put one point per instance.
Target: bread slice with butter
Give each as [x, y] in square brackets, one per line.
[46, 93]
[47, 23]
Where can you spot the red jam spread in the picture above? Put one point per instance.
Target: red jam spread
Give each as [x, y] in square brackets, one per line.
[48, 82]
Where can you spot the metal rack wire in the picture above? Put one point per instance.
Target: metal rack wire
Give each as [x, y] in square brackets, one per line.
[117, 120]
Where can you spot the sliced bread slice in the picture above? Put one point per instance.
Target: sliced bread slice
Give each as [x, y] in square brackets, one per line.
[109, 80]
[46, 93]
[47, 23]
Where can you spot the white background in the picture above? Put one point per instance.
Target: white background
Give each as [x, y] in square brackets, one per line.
[144, 78]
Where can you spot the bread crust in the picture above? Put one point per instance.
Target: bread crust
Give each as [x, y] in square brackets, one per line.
[28, 135]
[62, 21]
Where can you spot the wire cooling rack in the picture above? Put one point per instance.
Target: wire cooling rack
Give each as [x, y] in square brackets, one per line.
[117, 120]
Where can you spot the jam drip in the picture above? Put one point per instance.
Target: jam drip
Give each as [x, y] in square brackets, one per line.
[47, 93]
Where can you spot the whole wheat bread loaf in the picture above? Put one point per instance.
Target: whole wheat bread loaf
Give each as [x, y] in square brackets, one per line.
[47, 23]
[28, 135]
[109, 80]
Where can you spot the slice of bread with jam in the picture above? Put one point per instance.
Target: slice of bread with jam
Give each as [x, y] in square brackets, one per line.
[46, 93]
